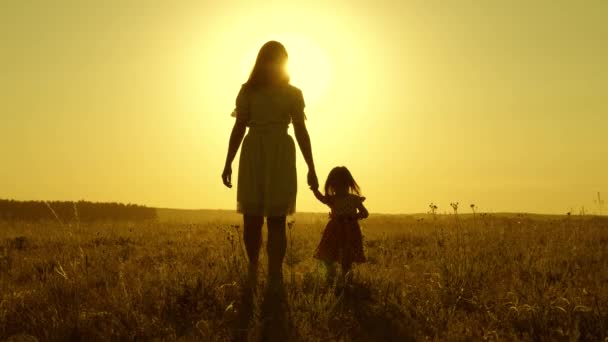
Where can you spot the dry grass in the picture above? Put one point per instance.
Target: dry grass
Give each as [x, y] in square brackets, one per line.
[453, 278]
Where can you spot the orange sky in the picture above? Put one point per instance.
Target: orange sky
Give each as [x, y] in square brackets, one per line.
[502, 104]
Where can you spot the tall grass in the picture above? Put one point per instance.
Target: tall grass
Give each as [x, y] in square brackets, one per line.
[449, 277]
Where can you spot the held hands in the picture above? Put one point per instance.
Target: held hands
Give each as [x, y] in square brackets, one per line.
[313, 182]
[227, 176]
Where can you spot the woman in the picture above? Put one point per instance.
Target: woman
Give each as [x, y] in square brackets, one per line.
[267, 183]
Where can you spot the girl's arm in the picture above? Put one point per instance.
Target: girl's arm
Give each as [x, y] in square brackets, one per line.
[363, 213]
[319, 196]
[236, 137]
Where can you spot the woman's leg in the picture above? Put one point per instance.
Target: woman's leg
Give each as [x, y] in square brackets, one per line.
[276, 246]
[252, 234]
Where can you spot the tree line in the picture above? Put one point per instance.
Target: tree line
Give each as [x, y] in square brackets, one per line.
[66, 211]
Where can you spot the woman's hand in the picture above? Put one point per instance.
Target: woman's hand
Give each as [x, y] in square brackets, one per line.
[227, 176]
[313, 181]
[236, 137]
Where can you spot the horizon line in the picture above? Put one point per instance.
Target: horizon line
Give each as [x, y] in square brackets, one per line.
[404, 213]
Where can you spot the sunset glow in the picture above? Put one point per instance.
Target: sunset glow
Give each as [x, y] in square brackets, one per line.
[499, 104]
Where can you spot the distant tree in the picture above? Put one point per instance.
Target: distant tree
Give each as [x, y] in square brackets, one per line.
[70, 211]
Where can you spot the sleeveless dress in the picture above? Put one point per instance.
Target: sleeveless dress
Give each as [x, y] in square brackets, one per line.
[267, 180]
[342, 240]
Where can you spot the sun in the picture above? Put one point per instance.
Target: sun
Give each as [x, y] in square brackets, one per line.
[309, 65]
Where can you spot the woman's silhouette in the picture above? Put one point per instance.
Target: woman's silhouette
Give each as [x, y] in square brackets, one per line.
[267, 184]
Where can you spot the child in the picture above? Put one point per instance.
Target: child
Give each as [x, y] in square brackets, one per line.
[342, 240]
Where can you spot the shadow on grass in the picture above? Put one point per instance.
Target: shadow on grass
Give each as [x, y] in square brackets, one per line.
[276, 323]
[371, 320]
[274, 318]
[245, 314]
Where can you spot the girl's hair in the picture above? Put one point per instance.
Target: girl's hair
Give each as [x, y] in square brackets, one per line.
[340, 177]
[270, 66]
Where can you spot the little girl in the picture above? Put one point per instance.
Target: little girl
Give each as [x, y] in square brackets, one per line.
[342, 240]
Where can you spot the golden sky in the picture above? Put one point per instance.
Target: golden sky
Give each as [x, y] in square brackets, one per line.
[499, 103]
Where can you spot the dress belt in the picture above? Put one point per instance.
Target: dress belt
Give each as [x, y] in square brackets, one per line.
[268, 129]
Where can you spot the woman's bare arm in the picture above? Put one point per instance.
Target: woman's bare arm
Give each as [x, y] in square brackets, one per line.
[236, 137]
[303, 140]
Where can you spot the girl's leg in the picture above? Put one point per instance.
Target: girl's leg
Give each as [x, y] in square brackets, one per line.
[330, 268]
[252, 234]
[347, 274]
[276, 246]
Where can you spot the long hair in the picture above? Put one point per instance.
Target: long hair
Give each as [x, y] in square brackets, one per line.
[340, 177]
[270, 66]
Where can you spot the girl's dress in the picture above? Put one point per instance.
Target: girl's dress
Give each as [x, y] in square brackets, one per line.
[267, 181]
[342, 240]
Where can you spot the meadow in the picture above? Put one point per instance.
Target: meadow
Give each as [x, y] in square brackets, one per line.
[429, 277]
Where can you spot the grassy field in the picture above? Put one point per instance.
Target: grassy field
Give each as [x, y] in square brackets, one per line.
[448, 277]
